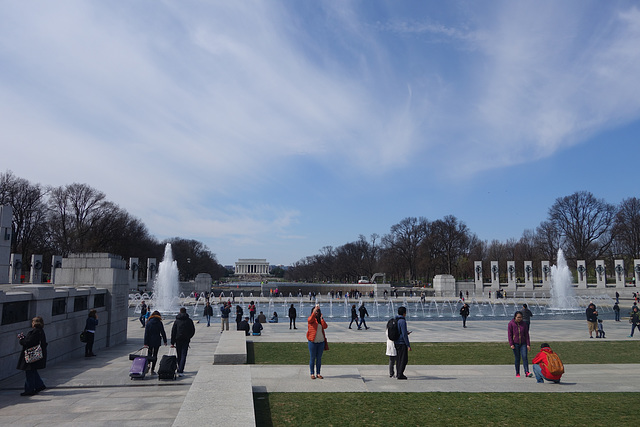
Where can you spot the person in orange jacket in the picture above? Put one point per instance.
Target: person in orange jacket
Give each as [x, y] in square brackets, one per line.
[316, 338]
[541, 366]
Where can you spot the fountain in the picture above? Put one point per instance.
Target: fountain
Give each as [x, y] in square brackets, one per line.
[165, 287]
[562, 293]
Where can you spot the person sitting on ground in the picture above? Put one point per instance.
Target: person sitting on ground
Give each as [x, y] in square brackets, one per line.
[243, 325]
[257, 327]
[541, 365]
[274, 318]
[262, 318]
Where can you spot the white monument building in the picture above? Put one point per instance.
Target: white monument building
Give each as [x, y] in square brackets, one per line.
[251, 266]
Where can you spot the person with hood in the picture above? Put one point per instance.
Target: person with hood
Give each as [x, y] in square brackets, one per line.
[518, 334]
[292, 316]
[154, 334]
[33, 383]
[256, 328]
[354, 315]
[181, 333]
[541, 365]
[208, 313]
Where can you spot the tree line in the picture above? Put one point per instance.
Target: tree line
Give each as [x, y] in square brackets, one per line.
[416, 249]
[77, 218]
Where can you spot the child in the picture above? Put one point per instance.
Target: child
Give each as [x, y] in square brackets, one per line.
[393, 356]
[600, 331]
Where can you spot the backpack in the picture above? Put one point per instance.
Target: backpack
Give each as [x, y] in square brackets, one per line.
[554, 364]
[393, 332]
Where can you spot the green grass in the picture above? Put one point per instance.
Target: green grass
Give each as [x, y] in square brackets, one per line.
[475, 353]
[445, 409]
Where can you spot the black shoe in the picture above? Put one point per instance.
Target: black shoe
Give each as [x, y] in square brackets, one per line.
[92, 355]
[349, 327]
[402, 377]
[391, 375]
[28, 393]
[295, 328]
[39, 389]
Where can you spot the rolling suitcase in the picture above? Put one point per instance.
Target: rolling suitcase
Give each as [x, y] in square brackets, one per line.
[139, 368]
[168, 365]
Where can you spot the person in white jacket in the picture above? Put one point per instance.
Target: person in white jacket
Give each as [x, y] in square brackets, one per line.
[393, 355]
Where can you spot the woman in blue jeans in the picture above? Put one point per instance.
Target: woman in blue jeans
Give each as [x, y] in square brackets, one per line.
[518, 332]
[316, 337]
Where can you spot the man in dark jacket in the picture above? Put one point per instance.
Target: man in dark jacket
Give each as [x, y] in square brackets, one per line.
[243, 325]
[363, 312]
[292, 316]
[592, 318]
[181, 333]
[403, 346]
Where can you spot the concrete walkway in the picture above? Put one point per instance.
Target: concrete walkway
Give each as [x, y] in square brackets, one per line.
[97, 391]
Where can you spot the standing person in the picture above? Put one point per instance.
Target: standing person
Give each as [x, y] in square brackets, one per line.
[402, 344]
[600, 331]
[208, 312]
[143, 313]
[181, 333]
[518, 333]
[90, 329]
[541, 365]
[224, 316]
[363, 312]
[393, 355]
[354, 315]
[239, 313]
[315, 337]
[464, 312]
[634, 320]
[617, 297]
[592, 319]
[32, 382]
[526, 315]
[154, 334]
[252, 312]
[292, 316]
[616, 311]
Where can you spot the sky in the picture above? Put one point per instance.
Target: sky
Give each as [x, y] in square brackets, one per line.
[274, 129]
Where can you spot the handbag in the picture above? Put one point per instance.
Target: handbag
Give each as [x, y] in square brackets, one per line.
[326, 345]
[83, 336]
[33, 354]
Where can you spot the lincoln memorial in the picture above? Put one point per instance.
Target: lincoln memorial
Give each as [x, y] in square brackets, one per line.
[252, 266]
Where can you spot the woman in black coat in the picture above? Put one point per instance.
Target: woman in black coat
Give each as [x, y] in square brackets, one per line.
[154, 334]
[33, 383]
[90, 332]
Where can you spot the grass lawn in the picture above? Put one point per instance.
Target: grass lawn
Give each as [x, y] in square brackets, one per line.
[475, 353]
[446, 409]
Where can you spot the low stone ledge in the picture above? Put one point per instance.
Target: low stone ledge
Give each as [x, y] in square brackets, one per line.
[219, 396]
[231, 349]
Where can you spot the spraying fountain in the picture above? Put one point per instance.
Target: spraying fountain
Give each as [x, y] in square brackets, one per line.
[562, 293]
[165, 287]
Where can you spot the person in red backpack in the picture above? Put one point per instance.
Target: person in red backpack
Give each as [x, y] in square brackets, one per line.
[541, 365]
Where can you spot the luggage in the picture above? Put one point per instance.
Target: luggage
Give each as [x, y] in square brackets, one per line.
[143, 352]
[139, 368]
[168, 365]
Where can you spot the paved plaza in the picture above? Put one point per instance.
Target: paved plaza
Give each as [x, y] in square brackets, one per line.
[98, 391]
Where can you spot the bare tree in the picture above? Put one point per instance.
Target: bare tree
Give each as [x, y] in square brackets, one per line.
[627, 227]
[585, 224]
[404, 240]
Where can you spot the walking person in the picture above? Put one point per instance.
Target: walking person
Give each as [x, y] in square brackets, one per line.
[90, 332]
[526, 315]
[154, 334]
[316, 341]
[354, 316]
[363, 312]
[181, 333]
[464, 312]
[208, 312]
[292, 316]
[616, 312]
[143, 313]
[402, 344]
[518, 333]
[32, 382]
[634, 320]
[224, 316]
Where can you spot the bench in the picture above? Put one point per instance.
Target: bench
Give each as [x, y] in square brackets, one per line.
[231, 349]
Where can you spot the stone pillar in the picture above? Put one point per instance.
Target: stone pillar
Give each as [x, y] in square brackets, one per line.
[546, 275]
[35, 275]
[477, 275]
[528, 276]
[582, 274]
[620, 273]
[444, 285]
[56, 263]
[495, 276]
[511, 275]
[152, 270]
[636, 271]
[601, 274]
[134, 271]
[15, 271]
[6, 216]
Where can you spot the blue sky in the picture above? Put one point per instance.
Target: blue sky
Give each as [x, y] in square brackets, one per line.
[273, 129]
